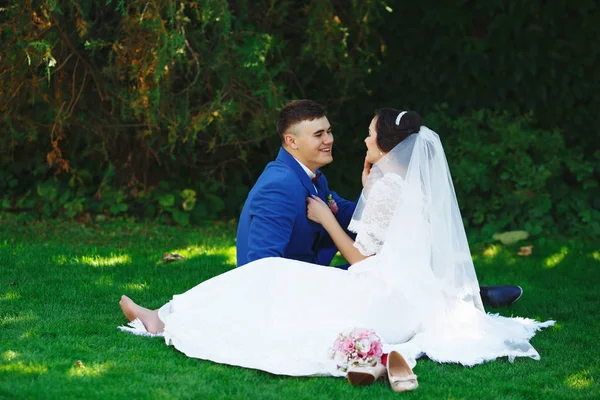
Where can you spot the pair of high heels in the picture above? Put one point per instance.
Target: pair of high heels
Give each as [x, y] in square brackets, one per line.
[399, 374]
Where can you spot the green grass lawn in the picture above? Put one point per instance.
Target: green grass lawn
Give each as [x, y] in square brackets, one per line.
[60, 284]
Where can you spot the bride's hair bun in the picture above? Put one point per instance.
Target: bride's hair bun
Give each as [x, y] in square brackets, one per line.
[389, 134]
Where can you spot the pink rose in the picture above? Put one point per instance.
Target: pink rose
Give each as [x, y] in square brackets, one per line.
[347, 345]
[376, 349]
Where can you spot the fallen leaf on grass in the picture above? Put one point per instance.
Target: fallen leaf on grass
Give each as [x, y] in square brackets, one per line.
[172, 257]
[525, 251]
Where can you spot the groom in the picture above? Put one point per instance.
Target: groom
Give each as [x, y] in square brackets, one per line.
[273, 222]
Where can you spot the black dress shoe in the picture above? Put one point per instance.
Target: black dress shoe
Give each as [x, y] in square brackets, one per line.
[500, 296]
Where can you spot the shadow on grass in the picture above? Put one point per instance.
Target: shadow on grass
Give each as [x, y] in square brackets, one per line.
[59, 305]
[62, 304]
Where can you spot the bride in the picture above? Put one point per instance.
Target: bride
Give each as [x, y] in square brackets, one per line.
[411, 280]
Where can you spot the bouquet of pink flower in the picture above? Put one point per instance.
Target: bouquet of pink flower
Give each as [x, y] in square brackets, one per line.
[356, 347]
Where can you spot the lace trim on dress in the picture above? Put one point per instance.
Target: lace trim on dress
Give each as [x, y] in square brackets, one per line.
[374, 222]
[136, 327]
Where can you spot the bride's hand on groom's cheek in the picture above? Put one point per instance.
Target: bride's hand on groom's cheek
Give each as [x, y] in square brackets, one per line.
[317, 210]
[366, 171]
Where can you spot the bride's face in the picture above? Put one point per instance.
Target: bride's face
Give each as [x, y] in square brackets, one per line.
[374, 153]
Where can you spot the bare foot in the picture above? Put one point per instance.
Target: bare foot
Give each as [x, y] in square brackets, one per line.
[129, 308]
[149, 318]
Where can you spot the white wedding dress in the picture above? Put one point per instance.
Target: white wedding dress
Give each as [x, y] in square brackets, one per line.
[418, 290]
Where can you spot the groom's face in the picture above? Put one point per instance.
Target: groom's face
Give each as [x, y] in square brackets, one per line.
[311, 142]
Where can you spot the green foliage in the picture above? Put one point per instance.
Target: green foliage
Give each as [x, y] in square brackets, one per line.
[117, 98]
[510, 175]
[115, 108]
[515, 56]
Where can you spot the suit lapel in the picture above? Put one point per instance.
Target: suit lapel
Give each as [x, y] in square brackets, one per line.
[321, 187]
[291, 162]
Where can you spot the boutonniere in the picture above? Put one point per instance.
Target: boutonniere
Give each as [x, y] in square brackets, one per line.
[332, 204]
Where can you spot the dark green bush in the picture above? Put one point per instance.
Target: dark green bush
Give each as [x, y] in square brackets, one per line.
[117, 107]
[510, 175]
[166, 109]
[518, 56]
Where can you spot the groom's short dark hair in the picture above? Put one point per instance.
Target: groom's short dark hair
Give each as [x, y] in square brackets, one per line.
[296, 112]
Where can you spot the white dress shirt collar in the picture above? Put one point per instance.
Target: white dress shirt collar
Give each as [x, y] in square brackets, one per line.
[305, 168]
[310, 174]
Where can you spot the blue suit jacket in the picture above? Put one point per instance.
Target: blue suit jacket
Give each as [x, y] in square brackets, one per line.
[273, 222]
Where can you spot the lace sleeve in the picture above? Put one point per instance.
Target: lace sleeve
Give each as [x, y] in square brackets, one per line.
[373, 224]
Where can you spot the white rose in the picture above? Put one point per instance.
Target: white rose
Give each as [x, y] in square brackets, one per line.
[340, 359]
[364, 346]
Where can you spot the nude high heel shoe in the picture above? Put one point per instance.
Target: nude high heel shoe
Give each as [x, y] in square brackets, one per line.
[401, 377]
[360, 376]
